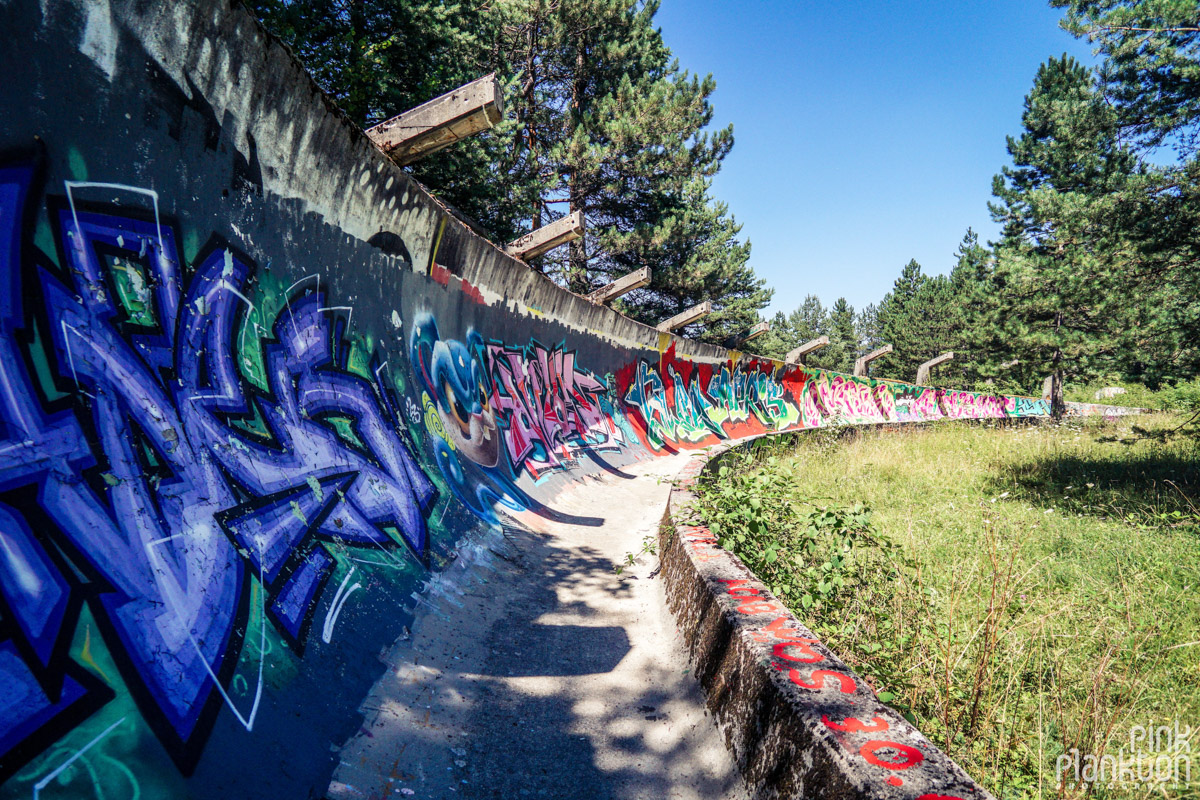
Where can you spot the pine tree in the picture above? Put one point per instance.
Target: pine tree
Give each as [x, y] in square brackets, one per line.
[1150, 78]
[773, 343]
[601, 120]
[868, 331]
[788, 331]
[843, 348]
[975, 354]
[700, 258]
[1151, 69]
[1063, 308]
[635, 159]
[905, 319]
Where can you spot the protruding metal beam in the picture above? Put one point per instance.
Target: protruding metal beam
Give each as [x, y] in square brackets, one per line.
[686, 318]
[860, 366]
[740, 339]
[622, 285]
[546, 238]
[923, 370]
[797, 355]
[442, 121]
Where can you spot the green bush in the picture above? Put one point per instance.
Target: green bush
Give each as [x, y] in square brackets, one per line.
[1014, 591]
[1179, 396]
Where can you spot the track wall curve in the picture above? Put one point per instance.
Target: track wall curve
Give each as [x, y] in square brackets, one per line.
[257, 386]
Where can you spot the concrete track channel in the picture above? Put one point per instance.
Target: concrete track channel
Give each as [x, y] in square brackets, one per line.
[534, 670]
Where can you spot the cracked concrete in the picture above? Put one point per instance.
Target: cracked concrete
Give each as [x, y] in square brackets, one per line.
[539, 672]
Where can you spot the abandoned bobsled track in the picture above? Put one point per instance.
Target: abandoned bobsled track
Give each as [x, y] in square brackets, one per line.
[307, 489]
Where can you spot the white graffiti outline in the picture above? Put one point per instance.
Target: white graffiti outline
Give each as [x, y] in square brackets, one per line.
[172, 600]
[223, 284]
[153, 195]
[44, 782]
[335, 609]
[288, 294]
[71, 357]
[349, 317]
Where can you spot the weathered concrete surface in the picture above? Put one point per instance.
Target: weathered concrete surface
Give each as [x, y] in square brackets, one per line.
[442, 121]
[544, 673]
[795, 356]
[687, 317]
[171, 183]
[546, 238]
[740, 339]
[799, 723]
[626, 283]
[860, 366]
[923, 370]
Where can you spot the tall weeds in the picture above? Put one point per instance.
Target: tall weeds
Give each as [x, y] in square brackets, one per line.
[982, 587]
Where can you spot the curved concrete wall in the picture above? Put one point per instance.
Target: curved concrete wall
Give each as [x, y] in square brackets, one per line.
[257, 387]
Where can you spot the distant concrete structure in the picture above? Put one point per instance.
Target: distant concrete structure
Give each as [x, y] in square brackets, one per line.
[622, 285]
[546, 238]
[1108, 392]
[860, 366]
[1048, 388]
[797, 355]
[686, 318]
[441, 122]
[923, 370]
[740, 339]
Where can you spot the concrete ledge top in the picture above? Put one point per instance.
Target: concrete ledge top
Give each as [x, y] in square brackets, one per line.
[800, 724]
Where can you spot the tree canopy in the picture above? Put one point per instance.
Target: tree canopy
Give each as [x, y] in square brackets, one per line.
[601, 119]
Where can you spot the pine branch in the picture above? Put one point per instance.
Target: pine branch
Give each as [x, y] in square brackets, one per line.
[1146, 30]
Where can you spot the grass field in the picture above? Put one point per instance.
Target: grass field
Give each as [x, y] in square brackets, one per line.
[1016, 591]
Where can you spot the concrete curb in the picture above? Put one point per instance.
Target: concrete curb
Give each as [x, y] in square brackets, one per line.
[798, 722]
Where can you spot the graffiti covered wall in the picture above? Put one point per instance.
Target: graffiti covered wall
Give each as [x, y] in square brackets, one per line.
[256, 387]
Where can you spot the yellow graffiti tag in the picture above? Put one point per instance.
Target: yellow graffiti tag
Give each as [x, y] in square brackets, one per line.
[433, 423]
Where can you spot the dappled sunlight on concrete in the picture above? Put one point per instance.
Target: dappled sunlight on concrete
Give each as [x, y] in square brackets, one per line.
[549, 675]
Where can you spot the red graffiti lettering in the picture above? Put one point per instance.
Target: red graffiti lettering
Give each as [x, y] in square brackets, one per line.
[737, 588]
[855, 725]
[907, 756]
[807, 654]
[775, 628]
[549, 407]
[845, 683]
[752, 607]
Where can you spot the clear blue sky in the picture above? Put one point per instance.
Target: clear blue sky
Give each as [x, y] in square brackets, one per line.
[866, 133]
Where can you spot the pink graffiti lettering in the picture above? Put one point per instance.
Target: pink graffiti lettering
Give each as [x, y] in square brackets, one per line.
[550, 407]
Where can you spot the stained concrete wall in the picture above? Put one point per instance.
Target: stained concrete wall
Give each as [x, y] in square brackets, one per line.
[257, 387]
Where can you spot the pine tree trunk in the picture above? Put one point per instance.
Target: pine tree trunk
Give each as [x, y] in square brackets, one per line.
[530, 138]
[1058, 407]
[577, 268]
[355, 102]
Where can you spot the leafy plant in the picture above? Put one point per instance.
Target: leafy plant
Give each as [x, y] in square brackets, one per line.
[1015, 592]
